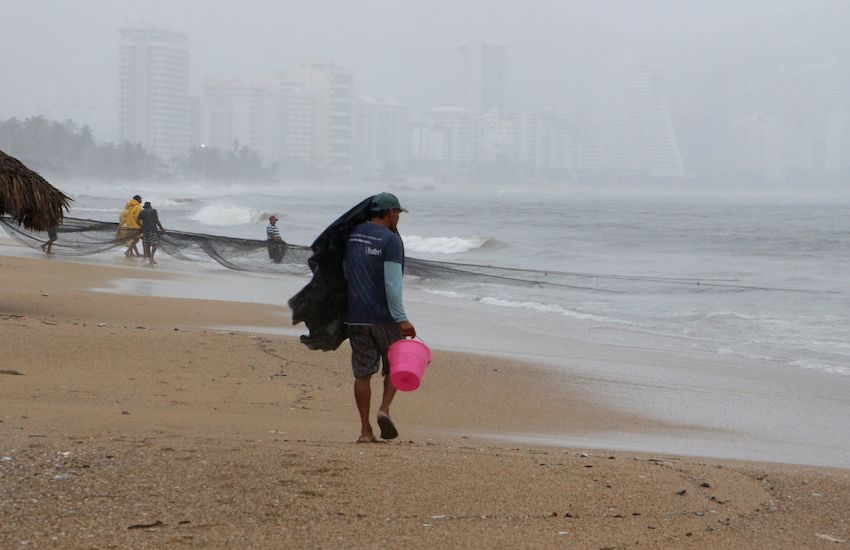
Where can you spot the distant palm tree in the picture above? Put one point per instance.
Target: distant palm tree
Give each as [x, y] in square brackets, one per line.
[27, 197]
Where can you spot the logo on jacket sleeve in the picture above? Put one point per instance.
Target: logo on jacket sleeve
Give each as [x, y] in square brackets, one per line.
[372, 251]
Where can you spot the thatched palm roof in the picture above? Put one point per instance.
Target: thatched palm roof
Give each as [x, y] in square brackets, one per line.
[27, 197]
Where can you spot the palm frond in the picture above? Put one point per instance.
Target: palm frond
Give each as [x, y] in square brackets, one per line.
[29, 198]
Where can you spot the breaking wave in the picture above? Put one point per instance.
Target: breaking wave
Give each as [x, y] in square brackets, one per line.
[222, 214]
[443, 245]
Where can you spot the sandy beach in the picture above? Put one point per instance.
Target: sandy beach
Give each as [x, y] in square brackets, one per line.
[131, 421]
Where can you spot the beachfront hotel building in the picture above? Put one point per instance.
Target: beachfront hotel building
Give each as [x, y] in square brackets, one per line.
[448, 135]
[295, 123]
[153, 90]
[332, 91]
[481, 76]
[632, 120]
[381, 135]
[548, 142]
[240, 114]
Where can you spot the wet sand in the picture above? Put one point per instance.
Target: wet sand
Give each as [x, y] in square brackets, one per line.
[127, 421]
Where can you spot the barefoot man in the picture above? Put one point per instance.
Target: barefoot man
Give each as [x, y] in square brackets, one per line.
[151, 229]
[374, 260]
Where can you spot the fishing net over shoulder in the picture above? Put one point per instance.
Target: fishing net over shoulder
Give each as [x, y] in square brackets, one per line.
[82, 237]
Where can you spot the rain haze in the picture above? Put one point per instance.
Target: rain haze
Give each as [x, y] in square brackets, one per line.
[746, 91]
[641, 207]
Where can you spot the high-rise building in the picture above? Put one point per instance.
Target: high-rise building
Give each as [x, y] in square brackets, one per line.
[634, 129]
[332, 91]
[496, 137]
[240, 114]
[458, 128]
[547, 143]
[482, 76]
[381, 135]
[196, 121]
[295, 129]
[429, 146]
[153, 90]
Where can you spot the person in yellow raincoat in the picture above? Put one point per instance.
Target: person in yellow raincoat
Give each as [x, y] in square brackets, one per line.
[129, 230]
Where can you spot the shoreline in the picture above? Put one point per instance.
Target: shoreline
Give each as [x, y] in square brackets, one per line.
[131, 424]
[688, 402]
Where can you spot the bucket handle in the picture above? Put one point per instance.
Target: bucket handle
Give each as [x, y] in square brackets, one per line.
[415, 338]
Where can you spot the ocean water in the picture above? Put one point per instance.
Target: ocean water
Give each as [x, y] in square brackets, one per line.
[761, 278]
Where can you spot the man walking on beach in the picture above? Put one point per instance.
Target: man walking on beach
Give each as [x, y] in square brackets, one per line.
[52, 235]
[374, 261]
[151, 228]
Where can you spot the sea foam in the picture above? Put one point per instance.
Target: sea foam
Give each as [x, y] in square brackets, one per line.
[221, 214]
[544, 308]
[442, 245]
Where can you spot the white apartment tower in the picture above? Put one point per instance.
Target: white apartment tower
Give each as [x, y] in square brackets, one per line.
[240, 113]
[381, 135]
[482, 76]
[456, 128]
[153, 90]
[546, 142]
[332, 92]
[635, 130]
[295, 128]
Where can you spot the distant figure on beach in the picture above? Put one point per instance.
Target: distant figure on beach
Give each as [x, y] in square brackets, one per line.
[51, 238]
[151, 230]
[274, 242]
[375, 316]
[129, 230]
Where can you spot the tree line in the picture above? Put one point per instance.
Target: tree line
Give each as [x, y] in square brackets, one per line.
[69, 150]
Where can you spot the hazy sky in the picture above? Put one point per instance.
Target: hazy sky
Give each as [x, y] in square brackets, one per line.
[56, 51]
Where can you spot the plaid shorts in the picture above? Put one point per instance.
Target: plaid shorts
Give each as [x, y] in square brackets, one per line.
[151, 238]
[369, 344]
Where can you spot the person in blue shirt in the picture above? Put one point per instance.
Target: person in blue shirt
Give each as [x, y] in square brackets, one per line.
[375, 316]
[148, 219]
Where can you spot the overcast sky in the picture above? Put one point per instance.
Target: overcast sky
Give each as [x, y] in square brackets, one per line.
[56, 51]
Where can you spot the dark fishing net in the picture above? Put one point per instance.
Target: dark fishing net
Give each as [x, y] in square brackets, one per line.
[79, 237]
[82, 237]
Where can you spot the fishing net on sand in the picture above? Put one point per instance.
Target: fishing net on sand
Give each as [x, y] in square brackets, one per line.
[82, 237]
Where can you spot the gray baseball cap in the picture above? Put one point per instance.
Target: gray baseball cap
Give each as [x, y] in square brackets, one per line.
[385, 201]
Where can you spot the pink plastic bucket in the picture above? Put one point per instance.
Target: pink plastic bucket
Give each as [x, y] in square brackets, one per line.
[408, 359]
